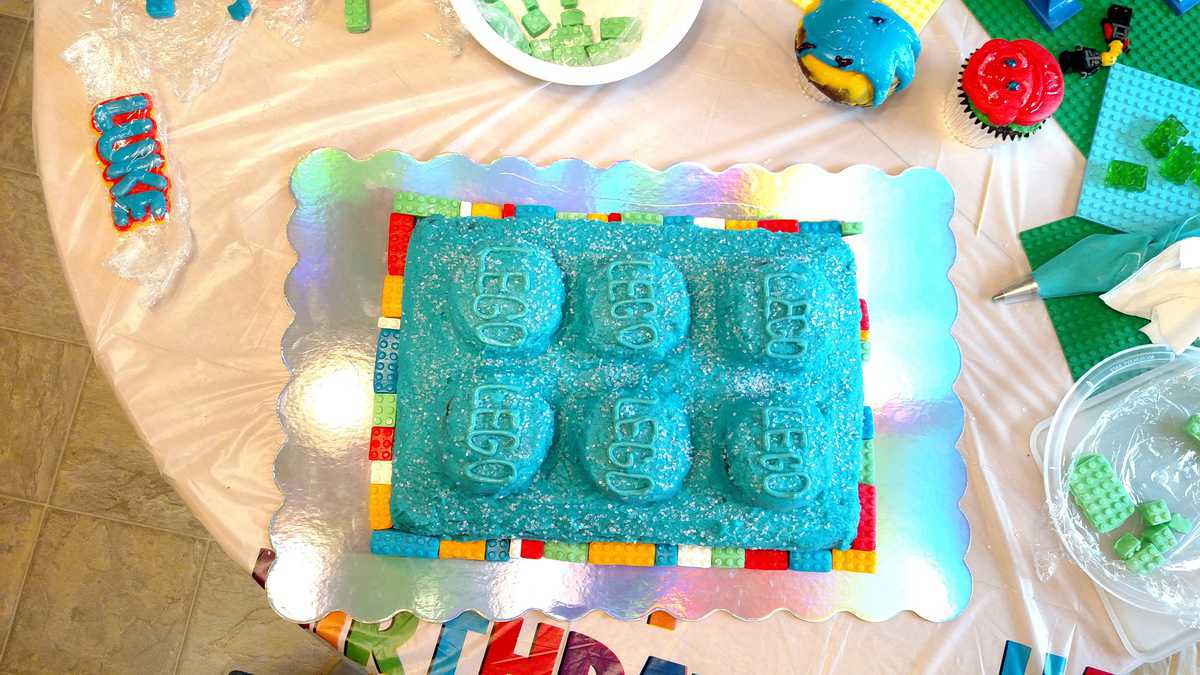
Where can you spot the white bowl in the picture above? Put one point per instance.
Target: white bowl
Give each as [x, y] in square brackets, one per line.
[663, 29]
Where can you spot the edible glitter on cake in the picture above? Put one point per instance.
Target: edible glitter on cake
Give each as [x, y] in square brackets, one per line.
[635, 306]
[646, 418]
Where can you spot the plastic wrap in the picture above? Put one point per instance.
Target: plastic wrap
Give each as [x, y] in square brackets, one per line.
[201, 374]
[1131, 410]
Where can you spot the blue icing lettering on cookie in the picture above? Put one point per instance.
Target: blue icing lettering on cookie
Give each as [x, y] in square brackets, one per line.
[865, 37]
[636, 445]
[777, 313]
[776, 454]
[636, 306]
[499, 430]
[509, 298]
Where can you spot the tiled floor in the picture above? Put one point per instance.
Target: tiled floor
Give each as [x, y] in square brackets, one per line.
[102, 567]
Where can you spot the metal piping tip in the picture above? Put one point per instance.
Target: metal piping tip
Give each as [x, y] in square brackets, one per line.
[1025, 289]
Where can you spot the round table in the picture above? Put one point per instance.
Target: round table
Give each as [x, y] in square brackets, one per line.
[200, 373]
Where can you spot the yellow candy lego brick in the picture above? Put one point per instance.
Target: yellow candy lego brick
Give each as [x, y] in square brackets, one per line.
[393, 296]
[619, 553]
[487, 210]
[463, 550]
[380, 506]
[603, 217]
[741, 224]
[864, 335]
[854, 561]
[661, 619]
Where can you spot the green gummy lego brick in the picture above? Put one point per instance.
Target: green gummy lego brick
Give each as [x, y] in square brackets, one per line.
[1154, 513]
[1146, 560]
[560, 550]
[531, 5]
[384, 410]
[605, 51]
[1161, 537]
[571, 17]
[641, 217]
[535, 22]
[1088, 330]
[620, 28]
[1164, 136]
[727, 556]
[569, 56]
[1166, 47]
[541, 49]
[1126, 176]
[571, 36]
[851, 227]
[1127, 545]
[867, 475]
[1180, 524]
[425, 205]
[866, 350]
[1192, 427]
[358, 16]
[1178, 165]
[570, 4]
[1099, 492]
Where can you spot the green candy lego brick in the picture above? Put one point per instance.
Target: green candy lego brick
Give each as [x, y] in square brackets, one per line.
[570, 4]
[1192, 427]
[605, 51]
[1126, 176]
[1161, 537]
[1099, 492]
[867, 474]
[1088, 330]
[1170, 52]
[851, 227]
[384, 411]
[425, 205]
[531, 5]
[535, 22]
[1126, 545]
[1155, 513]
[626, 28]
[1180, 524]
[569, 56]
[571, 36]
[727, 556]
[866, 350]
[1147, 559]
[1164, 136]
[541, 49]
[1179, 164]
[571, 215]
[571, 17]
[505, 24]
[641, 217]
[560, 550]
[358, 16]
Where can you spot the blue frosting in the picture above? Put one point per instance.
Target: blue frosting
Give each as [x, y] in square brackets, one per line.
[554, 434]
[865, 37]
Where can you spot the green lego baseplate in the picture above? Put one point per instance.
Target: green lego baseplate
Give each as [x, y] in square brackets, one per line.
[1088, 330]
[1162, 42]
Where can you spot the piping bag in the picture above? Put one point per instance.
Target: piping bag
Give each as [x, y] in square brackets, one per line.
[1096, 263]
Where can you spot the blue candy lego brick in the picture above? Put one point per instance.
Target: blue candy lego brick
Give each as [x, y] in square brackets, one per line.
[868, 424]
[160, 9]
[821, 227]
[403, 544]
[387, 358]
[535, 211]
[810, 561]
[239, 10]
[496, 550]
[1052, 13]
[679, 220]
[666, 555]
[1134, 103]
[1181, 6]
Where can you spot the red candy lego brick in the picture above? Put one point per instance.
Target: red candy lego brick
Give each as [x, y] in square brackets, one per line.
[766, 559]
[532, 548]
[508, 211]
[400, 227]
[382, 440]
[865, 324]
[777, 225]
[1095, 671]
[865, 541]
[614, 217]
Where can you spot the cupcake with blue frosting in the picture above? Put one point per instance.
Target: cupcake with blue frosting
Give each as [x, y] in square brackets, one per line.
[855, 52]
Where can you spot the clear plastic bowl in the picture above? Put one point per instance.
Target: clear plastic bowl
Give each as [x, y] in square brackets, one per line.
[1131, 409]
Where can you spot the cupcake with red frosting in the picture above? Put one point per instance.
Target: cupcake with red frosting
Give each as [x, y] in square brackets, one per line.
[1007, 90]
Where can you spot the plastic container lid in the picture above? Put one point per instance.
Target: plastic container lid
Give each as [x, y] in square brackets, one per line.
[1131, 408]
[664, 26]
